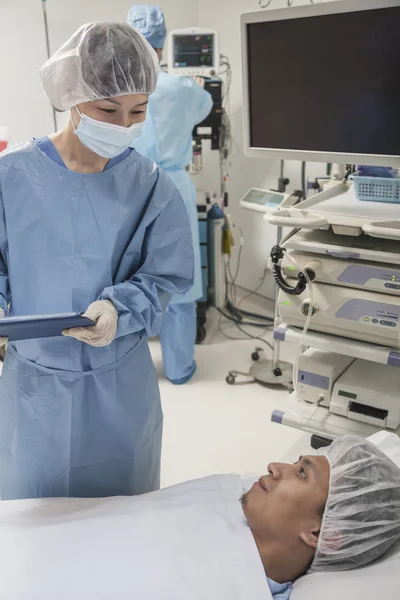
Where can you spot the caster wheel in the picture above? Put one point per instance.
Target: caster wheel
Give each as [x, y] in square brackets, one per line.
[230, 379]
[255, 356]
[201, 335]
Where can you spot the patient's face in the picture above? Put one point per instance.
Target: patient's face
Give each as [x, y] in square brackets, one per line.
[289, 501]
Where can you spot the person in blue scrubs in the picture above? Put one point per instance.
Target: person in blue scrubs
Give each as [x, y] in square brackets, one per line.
[178, 104]
[87, 224]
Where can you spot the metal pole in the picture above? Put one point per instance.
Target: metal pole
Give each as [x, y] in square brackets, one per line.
[46, 30]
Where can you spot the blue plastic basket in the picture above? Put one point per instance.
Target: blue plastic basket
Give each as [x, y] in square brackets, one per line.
[377, 189]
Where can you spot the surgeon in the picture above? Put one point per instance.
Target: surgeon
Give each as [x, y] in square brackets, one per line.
[178, 104]
[87, 224]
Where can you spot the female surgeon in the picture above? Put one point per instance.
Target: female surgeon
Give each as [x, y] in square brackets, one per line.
[86, 224]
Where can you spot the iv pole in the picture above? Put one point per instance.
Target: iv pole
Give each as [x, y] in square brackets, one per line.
[46, 29]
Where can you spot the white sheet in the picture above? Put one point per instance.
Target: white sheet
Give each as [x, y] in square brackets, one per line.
[188, 542]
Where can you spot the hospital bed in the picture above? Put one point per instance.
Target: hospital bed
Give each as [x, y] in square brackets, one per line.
[88, 549]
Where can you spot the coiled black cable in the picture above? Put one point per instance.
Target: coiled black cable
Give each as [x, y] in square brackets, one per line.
[285, 287]
[291, 290]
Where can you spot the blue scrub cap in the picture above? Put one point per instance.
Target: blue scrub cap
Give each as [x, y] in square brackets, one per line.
[149, 20]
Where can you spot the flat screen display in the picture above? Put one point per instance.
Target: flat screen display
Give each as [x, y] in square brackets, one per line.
[193, 51]
[327, 83]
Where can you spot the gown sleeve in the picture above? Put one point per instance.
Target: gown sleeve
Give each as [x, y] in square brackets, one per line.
[4, 281]
[167, 268]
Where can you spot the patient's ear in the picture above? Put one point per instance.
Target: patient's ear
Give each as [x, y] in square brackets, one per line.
[310, 538]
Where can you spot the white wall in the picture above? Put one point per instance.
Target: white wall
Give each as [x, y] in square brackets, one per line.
[23, 49]
[23, 107]
[224, 16]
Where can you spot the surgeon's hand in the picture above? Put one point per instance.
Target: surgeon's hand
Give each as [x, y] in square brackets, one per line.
[103, 333]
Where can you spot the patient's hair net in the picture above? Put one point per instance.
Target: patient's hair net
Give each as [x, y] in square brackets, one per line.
[362, 515]
[101, 60]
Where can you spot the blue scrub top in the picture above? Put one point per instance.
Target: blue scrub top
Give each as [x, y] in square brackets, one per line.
[46, 145]
[280, 591]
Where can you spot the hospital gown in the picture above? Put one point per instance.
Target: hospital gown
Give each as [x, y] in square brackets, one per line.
[177, 105]
[77, 420]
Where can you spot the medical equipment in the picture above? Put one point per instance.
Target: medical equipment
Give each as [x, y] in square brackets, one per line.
[339, 269]
[325, 243]
[210, 128]
[275, 372]
[317, 373]
[36, 327]
[338, 207]
[289, 3]
[368, 393]
[352, 273]
[264, 201]
[193, 51]
[362, 315]
[216, 273]
[298, 105]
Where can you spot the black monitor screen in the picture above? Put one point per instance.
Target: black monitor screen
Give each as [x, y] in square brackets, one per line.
[193, 51]
[326, 83]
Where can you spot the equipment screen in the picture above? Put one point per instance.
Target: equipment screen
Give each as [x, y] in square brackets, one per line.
[193, 51]
[326, 83]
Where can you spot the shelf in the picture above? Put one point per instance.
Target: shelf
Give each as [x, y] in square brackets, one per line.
[318, 420]
[339, 345]
[338, 207]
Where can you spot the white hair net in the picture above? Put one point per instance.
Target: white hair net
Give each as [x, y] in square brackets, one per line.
[101, 60]
[362, 515]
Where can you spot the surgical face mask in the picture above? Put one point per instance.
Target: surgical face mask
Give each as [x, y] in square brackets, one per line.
[105, 139]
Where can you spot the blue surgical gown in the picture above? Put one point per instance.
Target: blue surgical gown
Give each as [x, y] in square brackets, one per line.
[177, 105]
[77, 420]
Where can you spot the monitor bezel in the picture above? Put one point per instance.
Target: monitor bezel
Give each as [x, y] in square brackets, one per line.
[263, 16]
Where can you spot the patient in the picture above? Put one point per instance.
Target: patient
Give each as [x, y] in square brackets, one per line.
[325, 513]
[332, 512]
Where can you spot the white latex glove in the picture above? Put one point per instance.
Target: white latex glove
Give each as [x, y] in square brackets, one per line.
[102, 334]
[3, 340]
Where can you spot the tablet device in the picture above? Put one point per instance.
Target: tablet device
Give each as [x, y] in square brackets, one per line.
[41, 326]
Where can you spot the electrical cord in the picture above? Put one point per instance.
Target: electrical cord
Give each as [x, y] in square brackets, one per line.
[305, 329]
[246, 333]
[244, 323]
[231, 285]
